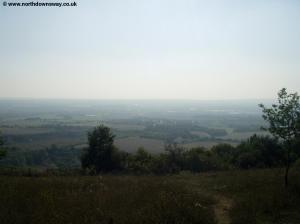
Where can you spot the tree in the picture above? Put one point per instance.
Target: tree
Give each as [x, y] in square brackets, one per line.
[175, 157]
[101, 155]
[141, 161]
[2, 151]
[284, 122]
[200, 159]
[224, 151]
[258, 151]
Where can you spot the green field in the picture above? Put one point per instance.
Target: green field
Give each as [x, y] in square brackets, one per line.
[128, 137]
[239, 136]
[207, 144]
[131, 144]
[36, 125]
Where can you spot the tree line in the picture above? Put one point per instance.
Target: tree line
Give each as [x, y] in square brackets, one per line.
[280, 149]
[256, 152]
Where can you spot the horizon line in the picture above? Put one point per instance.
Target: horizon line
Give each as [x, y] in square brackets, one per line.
[134, 99]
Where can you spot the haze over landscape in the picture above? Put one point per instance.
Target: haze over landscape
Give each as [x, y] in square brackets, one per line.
[150, 111]
[151, 50]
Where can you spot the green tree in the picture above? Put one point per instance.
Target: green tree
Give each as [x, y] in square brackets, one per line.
[224, 151]
[258, 151]
[101, 155]
[141, 161]
[2, 151]
[284, 122]
[175, 157]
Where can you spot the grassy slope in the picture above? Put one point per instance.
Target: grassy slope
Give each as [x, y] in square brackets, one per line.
[224, 197]
[256, 196]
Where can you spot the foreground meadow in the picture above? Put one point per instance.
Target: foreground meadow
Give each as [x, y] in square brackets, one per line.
[236, 197]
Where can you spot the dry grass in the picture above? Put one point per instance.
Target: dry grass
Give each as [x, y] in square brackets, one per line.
[236, 197]
[108, 199]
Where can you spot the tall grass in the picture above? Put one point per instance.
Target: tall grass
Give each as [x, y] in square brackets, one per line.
[108, 199]
[256, 196]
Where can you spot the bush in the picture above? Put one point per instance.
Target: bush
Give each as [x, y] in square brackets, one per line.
[258, 152]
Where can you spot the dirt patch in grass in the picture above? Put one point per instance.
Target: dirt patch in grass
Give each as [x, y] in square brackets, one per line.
[222, 209]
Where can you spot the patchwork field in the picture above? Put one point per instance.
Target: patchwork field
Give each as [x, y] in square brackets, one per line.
[206, 144]
[131, 144]
[238, 136]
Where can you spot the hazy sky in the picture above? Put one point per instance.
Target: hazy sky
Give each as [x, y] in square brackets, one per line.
[152, 49]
